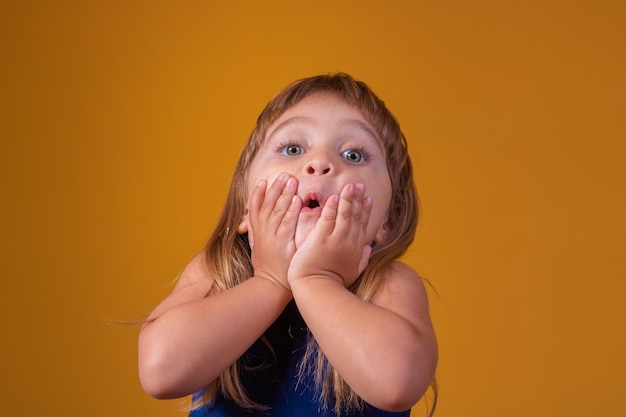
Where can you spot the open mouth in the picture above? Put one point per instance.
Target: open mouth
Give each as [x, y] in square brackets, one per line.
[312, 201]
[313, 204]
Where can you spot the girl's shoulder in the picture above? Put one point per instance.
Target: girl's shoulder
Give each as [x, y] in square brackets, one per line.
[399, 267]
[403, 291]
[399, 274]
[196, 273]
[192, 284]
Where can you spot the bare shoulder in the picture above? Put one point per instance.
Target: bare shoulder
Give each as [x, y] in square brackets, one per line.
[195, 275]
[403, 292]
[194, 283]
[400, 278]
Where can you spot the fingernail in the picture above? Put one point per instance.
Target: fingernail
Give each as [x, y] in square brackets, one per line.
[282, 176]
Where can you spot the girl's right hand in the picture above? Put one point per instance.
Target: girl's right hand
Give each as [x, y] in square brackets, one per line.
[272, 218]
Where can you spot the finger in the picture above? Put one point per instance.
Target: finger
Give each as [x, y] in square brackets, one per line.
[278, 200]
[250, 235]
[357, 204]
[326, 222]
[361, 210]
[287, 226]
[256, 201]
[273, 193]
[344, 211]
[285, 199]
[365, 258]
[368, 203]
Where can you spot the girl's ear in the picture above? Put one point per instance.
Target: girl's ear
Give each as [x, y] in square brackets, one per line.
[244, 226]
[381, 233]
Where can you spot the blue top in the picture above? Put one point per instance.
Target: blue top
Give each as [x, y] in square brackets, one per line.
[276, 385]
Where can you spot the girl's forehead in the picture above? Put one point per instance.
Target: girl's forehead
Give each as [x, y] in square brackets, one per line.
[325, 106]
[318, 100]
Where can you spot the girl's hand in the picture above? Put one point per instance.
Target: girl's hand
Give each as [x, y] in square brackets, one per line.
[337, 248]
[273, 214]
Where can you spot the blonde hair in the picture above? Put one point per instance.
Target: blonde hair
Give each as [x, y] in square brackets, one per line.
[228, 253]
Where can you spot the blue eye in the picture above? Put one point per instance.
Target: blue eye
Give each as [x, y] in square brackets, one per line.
[353, 156]
[292, 150]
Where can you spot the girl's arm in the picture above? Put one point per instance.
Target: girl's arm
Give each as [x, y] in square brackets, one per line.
[385, 350]
[191, 338]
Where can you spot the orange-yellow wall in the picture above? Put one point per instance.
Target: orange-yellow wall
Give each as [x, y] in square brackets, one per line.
[121, 122]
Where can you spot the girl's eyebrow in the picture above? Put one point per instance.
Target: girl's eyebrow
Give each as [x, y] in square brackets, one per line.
[352, 123]
[367, 129]
[287, 123]
[355, 123]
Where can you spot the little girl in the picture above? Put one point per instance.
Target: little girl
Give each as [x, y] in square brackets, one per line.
[298, 305]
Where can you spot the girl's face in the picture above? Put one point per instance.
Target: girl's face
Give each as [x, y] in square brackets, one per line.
[325, 144]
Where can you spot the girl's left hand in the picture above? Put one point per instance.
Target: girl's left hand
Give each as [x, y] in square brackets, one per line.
[337, 248]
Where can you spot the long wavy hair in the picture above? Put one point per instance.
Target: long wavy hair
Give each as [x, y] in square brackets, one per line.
[228, 252]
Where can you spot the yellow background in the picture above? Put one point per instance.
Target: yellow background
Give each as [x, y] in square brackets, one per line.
[121, 122]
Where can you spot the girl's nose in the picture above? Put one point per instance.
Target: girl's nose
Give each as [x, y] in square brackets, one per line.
[319, 165]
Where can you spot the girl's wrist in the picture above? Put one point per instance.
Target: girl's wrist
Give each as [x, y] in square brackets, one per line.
[311, 283]
[275, 286]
